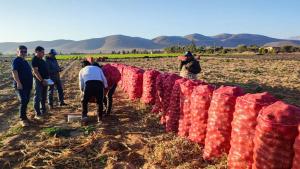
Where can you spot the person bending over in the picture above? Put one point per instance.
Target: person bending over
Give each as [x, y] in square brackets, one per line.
[91, 83]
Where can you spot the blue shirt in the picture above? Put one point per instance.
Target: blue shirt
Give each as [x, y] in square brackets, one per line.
[24, 71]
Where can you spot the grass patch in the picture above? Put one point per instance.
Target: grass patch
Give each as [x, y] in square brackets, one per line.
[88, 129]
[57, 131]
[103, 160]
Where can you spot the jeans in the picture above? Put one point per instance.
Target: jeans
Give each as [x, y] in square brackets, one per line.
[108, 100]
[60, 91]
[93, 89]
[40, 96]
[24, 97]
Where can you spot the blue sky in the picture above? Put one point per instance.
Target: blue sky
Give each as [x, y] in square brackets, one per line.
[28, 20]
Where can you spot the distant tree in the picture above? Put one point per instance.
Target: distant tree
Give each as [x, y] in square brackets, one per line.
[123, 52]
[1, 53]
[253, 48]
[134, 51]
[241, 48]
[286, 49]
[113, 52]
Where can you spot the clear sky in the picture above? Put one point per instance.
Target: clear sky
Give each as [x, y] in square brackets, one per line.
[28, 20]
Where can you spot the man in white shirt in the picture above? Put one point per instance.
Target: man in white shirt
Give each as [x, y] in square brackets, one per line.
[91, 83]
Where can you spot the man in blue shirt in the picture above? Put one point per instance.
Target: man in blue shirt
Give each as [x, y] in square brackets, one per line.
[41, 74]
[54, 70]
[22, 76]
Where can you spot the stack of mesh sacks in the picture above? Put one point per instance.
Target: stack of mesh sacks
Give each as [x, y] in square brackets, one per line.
[220, 115]
[168, 84]
[201, 98]
[112, 74]
[186, 90]
[157, 108]
[243, 128]
[149, 86]
[132, 82]
[276, 131]
[173, 114]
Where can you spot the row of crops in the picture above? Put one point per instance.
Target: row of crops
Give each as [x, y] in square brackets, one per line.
[254, 130]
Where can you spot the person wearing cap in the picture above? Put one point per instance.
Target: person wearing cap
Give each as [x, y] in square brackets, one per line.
[40, 74]
[54, 69]
[22, 75]
[91, 84]
[189, 67]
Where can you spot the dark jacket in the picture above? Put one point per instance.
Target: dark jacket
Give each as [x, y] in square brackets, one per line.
[191, 65]
[53, 66]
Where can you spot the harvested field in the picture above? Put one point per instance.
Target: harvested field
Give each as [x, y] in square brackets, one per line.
[131, 137]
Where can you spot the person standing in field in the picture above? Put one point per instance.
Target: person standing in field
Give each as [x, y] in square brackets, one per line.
[54, 69]
[189, 67]
[22, 75]
[110, 90]
[40, 72]
[91, 83]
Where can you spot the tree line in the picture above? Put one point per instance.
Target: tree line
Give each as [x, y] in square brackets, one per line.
[239, 49]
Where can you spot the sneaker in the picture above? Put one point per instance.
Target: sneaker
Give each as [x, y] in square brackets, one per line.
[24, 123]
[63, 104]
[38, 117]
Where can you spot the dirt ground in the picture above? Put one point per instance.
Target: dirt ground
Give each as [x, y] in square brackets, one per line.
[131, 137]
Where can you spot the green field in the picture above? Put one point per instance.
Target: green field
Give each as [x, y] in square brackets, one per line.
[117, 56]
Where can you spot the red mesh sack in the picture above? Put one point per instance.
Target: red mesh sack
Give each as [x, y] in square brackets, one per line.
[159, 92]
[220, 115]
[296, 161]
[243, 125]
[186, 90]
[112, 74]
[173, 114]
[275, 134]
[132, 81]
[201, 98]
[149, 86]
[168, 84]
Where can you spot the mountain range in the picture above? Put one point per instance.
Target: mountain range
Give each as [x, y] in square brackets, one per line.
[122, 42]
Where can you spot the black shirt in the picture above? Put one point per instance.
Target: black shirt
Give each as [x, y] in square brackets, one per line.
[24, 71]
[42, 67]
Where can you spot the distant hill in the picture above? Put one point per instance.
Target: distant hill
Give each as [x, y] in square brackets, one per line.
[122, 42]
[295, 38]
[282, 43]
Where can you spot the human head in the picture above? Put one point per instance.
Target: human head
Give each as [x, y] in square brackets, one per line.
[188, 54]
[52, 52]
[85, 63]
[90, 59]
[39, 52]
[22, 51]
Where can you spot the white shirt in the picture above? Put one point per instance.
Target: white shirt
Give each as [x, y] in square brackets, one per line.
[91, 73]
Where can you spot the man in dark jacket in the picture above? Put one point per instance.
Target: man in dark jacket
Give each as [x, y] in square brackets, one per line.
[22, 76]
[189, 67]
[54, 69]
[41, 74]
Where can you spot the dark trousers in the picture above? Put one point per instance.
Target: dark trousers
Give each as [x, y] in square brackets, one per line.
[40, 96]
[93, 89]
[108, 100]
[24, 97]
[58, 85]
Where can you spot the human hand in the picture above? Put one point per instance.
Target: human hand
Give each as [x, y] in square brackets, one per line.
[19, 86]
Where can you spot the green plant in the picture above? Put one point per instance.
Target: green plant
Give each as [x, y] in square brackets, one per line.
[87, 129]
[56, 131]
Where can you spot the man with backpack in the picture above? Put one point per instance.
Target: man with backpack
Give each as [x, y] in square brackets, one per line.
[189, 67]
